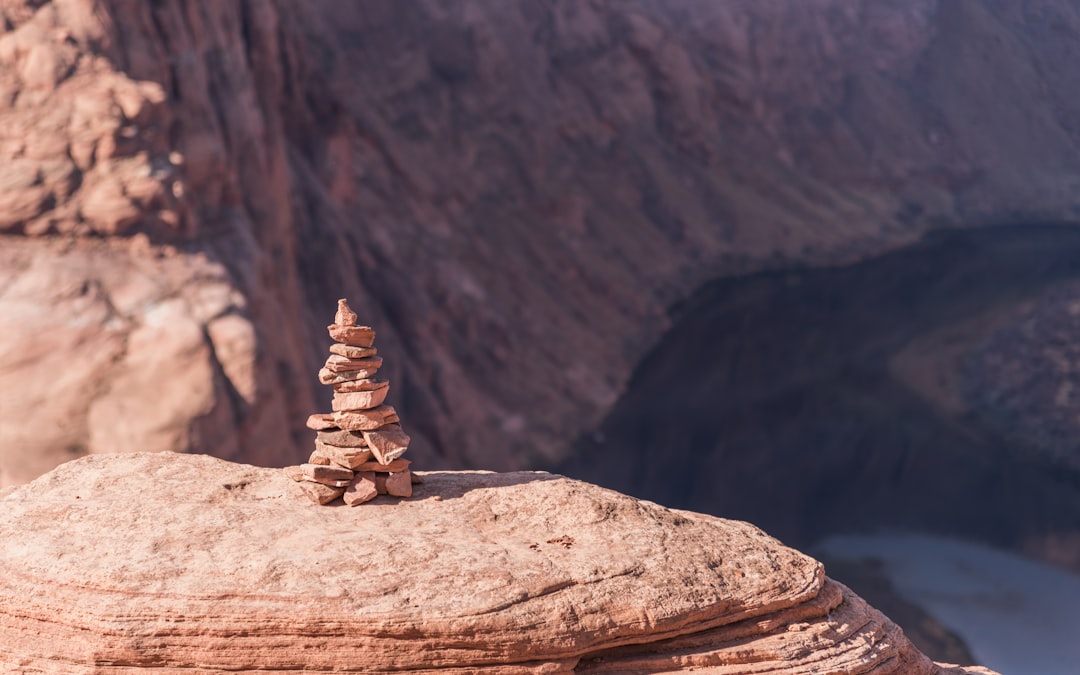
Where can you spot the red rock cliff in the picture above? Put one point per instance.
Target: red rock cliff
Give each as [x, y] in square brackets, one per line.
[512, 193]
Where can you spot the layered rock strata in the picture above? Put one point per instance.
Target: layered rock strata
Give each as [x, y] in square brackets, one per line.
[358, 446]
[489, 573]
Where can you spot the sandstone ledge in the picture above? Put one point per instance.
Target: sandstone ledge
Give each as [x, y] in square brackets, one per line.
[173, 563]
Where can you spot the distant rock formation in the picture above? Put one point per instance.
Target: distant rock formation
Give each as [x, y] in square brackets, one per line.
[159, 562]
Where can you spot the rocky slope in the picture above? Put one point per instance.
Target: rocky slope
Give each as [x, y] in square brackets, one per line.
[513, 192]
[159, 562]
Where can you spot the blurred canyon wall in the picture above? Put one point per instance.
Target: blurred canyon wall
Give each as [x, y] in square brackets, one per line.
[512, 193]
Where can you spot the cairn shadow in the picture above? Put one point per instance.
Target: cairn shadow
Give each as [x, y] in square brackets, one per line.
[446, 485]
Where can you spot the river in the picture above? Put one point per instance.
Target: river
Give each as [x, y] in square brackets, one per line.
[1017, 616]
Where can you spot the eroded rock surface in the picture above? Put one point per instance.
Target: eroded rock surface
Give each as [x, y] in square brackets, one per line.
[107, 348]
[164, 562]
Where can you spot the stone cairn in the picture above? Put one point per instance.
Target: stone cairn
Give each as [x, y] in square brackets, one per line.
[358, 447]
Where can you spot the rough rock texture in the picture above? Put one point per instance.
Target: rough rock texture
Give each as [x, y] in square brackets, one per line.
[562, 173]
[105, 346]
[228, 567]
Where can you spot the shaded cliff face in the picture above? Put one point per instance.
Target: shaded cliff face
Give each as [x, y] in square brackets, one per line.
[511, 193]
[882, 395]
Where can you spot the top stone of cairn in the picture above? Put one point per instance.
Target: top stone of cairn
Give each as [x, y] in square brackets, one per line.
[345, 330]
[345, 316]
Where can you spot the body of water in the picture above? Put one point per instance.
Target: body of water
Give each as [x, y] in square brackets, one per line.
[1017, 616]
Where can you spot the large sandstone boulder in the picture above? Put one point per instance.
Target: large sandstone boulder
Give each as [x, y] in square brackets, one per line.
[163, 562]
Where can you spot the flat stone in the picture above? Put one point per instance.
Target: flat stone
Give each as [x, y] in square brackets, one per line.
[359, 400]
[415, 478]
[300, 474]
[321, 422]
[344, 316]
[352, 352]
[387, 443]
[341, 364]
[355, 336]
[319, 493]
[393, 467]
[392, 419]
[327, 376]
[341, 438]
[327, 474]
[349, 458]
[364, 420]
[318, 456]
[361, 385]
[328, 450]
[362, 489]
[399, 484]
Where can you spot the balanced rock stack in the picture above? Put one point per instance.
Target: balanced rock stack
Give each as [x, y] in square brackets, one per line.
[359, 445]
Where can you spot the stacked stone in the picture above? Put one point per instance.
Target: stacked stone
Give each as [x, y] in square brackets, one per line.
[359, 445]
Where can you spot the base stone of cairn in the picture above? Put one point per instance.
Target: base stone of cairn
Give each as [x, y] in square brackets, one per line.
[358, 446]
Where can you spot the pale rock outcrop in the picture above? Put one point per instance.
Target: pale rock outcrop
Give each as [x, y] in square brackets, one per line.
[159, 562]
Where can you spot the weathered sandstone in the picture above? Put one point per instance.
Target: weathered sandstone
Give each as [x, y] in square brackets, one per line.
[355, 336]
[352, 352]
[358, 400]
[327, 376]
[399, 484]
[225, 567]
[393, 466]
[336, 363]
[387, 443]
[363, 420]
[350, 458]
[340, 438]
[362, 489]
[326, 474]
[327, 449]
[320, 493]
[360, 385]
[306, 473]
[321, 422]
[344, 316]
